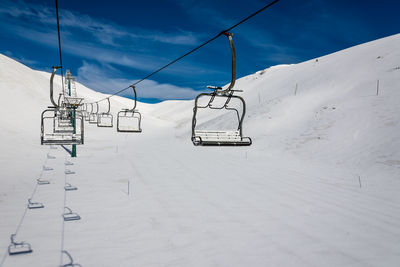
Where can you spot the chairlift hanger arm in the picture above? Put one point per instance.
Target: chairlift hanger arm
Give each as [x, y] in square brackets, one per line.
[51, 86]
[134, 92]
[109, 105]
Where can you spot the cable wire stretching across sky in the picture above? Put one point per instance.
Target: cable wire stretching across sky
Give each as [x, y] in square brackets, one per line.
[175, 60]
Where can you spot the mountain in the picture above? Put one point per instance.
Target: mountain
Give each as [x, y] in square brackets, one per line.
[318, 187]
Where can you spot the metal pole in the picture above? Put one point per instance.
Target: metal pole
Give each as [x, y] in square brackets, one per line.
[69, 86]
[73, 154]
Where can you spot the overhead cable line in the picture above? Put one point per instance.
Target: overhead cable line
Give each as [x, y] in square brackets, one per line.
[191, 51]
[59, 46]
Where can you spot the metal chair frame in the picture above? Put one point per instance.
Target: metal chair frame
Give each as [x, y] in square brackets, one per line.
[71, 261]
[105, 119]
[87, 118]
[63, 110]
[18, 247]
[216, 137]
[34, 205]
[131, 114]
[69, 187]
[70, 216]
[40, 181]
[61, 138]
[69, 172]
[93, 115]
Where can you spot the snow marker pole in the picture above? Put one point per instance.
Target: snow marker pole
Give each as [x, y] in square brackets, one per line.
[377, 87]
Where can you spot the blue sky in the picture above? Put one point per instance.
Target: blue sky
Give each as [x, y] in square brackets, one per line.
[111, 44]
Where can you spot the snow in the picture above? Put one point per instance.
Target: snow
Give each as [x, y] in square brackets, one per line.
[318, 187]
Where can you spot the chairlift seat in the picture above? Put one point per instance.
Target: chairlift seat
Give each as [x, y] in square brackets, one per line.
[34, 205]
[93, 118]
[71, 261]
[105, 120]
[227, 102]
[129, 121]
[70, 216]
[16, 248]
[68, 163]
[42, 182]
[220, 138]
[52, 134]
[62, 139]
[69, 187]
[45, 168]
[69, 172]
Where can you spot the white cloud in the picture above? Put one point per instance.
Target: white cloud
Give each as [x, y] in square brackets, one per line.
[103, 79]
[106, 32]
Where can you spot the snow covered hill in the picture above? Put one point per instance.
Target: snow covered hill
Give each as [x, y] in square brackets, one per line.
[318, 187]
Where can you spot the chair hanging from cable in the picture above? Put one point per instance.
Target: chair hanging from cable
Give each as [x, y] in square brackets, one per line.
[223, 123]
[87, 118]
[105, 119]
[49, 135]
[129, 120]
[18, 247]
[93, 115]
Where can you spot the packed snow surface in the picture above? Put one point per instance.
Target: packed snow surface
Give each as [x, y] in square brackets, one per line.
[318, 187]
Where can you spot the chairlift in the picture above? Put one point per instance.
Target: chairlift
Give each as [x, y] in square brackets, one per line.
[34, 205]
[70, 216]
[61, 136]
[87, 118]
[68, 163]
[85, 112]
[49, 136]
[41, 181]
[69, 187]
[16, 248]
[70, 261]
[129, 120]
[222, 100]
[93, 115]
[45, 168]
[63, 123]
[105, 119]
[69, 172]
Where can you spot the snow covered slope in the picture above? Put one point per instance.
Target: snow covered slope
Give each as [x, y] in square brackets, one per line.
[318, 187]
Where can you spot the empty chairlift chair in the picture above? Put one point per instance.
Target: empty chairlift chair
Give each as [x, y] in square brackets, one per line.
[83, 109]
[229, 108]
[70, 262]
[87, 112]
[93, 115]
[41, 181]
[105, 119]
[50, 136]
[70, 216]
[34, 205]
[63, 121]
[69, 172]
[69, 187]
[18, 247]
[129, 120]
